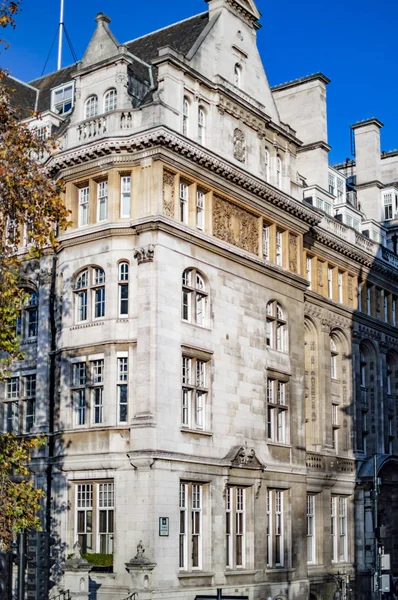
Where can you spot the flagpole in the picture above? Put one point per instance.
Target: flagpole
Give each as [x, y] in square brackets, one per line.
[61, 27]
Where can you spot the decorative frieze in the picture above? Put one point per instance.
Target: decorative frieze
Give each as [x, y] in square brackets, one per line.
[293, 262]
[235, 225]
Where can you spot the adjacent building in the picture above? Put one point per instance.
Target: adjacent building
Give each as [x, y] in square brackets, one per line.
[213, 349]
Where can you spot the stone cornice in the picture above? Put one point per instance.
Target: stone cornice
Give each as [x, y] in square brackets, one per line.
[163, 137]
[352, 252]
[314, 146]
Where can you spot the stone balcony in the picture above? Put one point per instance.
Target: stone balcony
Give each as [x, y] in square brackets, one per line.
[329, 464]
[111, 124]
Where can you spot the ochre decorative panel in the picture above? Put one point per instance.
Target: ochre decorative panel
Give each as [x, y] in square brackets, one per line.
[293, 253]
[235, 225]
[168, 193]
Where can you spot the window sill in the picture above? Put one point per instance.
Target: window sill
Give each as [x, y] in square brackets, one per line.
[194, 574]
[278, 444]
[201, 327]
[280, 570]
[242, 571]
[196, 431]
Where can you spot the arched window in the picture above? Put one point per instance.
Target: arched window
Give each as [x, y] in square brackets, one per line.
[266, 164]
[27, 320]
[110, 100]
[185, 117]
[278, 172]
[91, 107]
[194, 297]
[90, 282]
[237, 75]
[276, 334]
[201, 125]
[123, 289]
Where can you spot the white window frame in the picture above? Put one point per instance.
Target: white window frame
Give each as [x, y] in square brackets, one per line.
[311, 529]
[340, 286]
[191, 526]
[201, 125]
[279, 172]
[235, 530]
[84, 206]
[105, 493]
[91, 107]
[183, 201]
[195, 390]
[64, 101]
[330, 283]
[125, 196]
[275, 527]
[122, 384]
[194, 300]
[279, 248]
[238, 75]
[277, 411]
[123, 291]
[102, 201]
[266, 242]
[387, 205]
[110, 100]
[200, 209]
[276, 327]
[308, 271]
[186, 107]
[339, 530]
[267, 165]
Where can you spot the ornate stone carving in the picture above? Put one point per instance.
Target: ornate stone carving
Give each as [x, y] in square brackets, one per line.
[320, 275]
[239, 145]
[168, 193]
[145, 254]
[245, 457]
[235, 225]
[45, 276]
[293, 253]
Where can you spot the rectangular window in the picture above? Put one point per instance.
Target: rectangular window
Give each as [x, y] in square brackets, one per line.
[275, 528]
[200, 210]
[79, 381]
[97, 376]
[99, 303]
[340, 189]
[385, 306]
[266, 242]
[339, 528]
[102, 191]
[368, 301]
[387, 199]
[84, 516]
[30, 402]
[311, 531]
[84, 202]
[308, 271]
[122, 388]
[191, 526]
[340, 286]
[12, 417]
[106, 512]
[394, 311]
[335, 427]
[277, 411]
[184, 202]
[330, 283]
[194, 392]
[12, 388]
[235, 527]
[279, 248]
[123, 300]
[332, 184]
[125, 196]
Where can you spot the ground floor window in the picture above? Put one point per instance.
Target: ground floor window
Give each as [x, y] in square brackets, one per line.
[94, 516]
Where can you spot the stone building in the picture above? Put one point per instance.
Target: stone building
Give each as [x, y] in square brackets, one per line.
[213, 348]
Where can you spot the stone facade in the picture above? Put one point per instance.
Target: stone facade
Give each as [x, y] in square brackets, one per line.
[225, 348]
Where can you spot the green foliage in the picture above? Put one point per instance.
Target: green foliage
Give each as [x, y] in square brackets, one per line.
[99, 560]
[19, 500]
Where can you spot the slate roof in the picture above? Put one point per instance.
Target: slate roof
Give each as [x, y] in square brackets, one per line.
[23, 97]
[180, 37]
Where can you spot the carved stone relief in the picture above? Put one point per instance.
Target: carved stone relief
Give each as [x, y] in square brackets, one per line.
[168, 193]
[320, 275]
[350, 289]
[235, 225]
[293, 253]
[239, 145]
[145, 254]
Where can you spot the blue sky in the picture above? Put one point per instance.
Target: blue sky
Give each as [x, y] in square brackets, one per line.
[353, 43]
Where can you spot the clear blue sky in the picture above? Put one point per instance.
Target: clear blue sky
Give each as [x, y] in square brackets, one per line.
[353, 43]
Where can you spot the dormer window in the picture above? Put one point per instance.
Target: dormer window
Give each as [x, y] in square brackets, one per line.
[91, 107]
[62, 99]
[238, 75]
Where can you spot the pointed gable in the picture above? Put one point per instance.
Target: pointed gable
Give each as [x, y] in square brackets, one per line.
[246, 9]
[102, 45]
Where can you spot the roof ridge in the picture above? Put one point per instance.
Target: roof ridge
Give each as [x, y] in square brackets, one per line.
[163, 28]
[23, 82]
